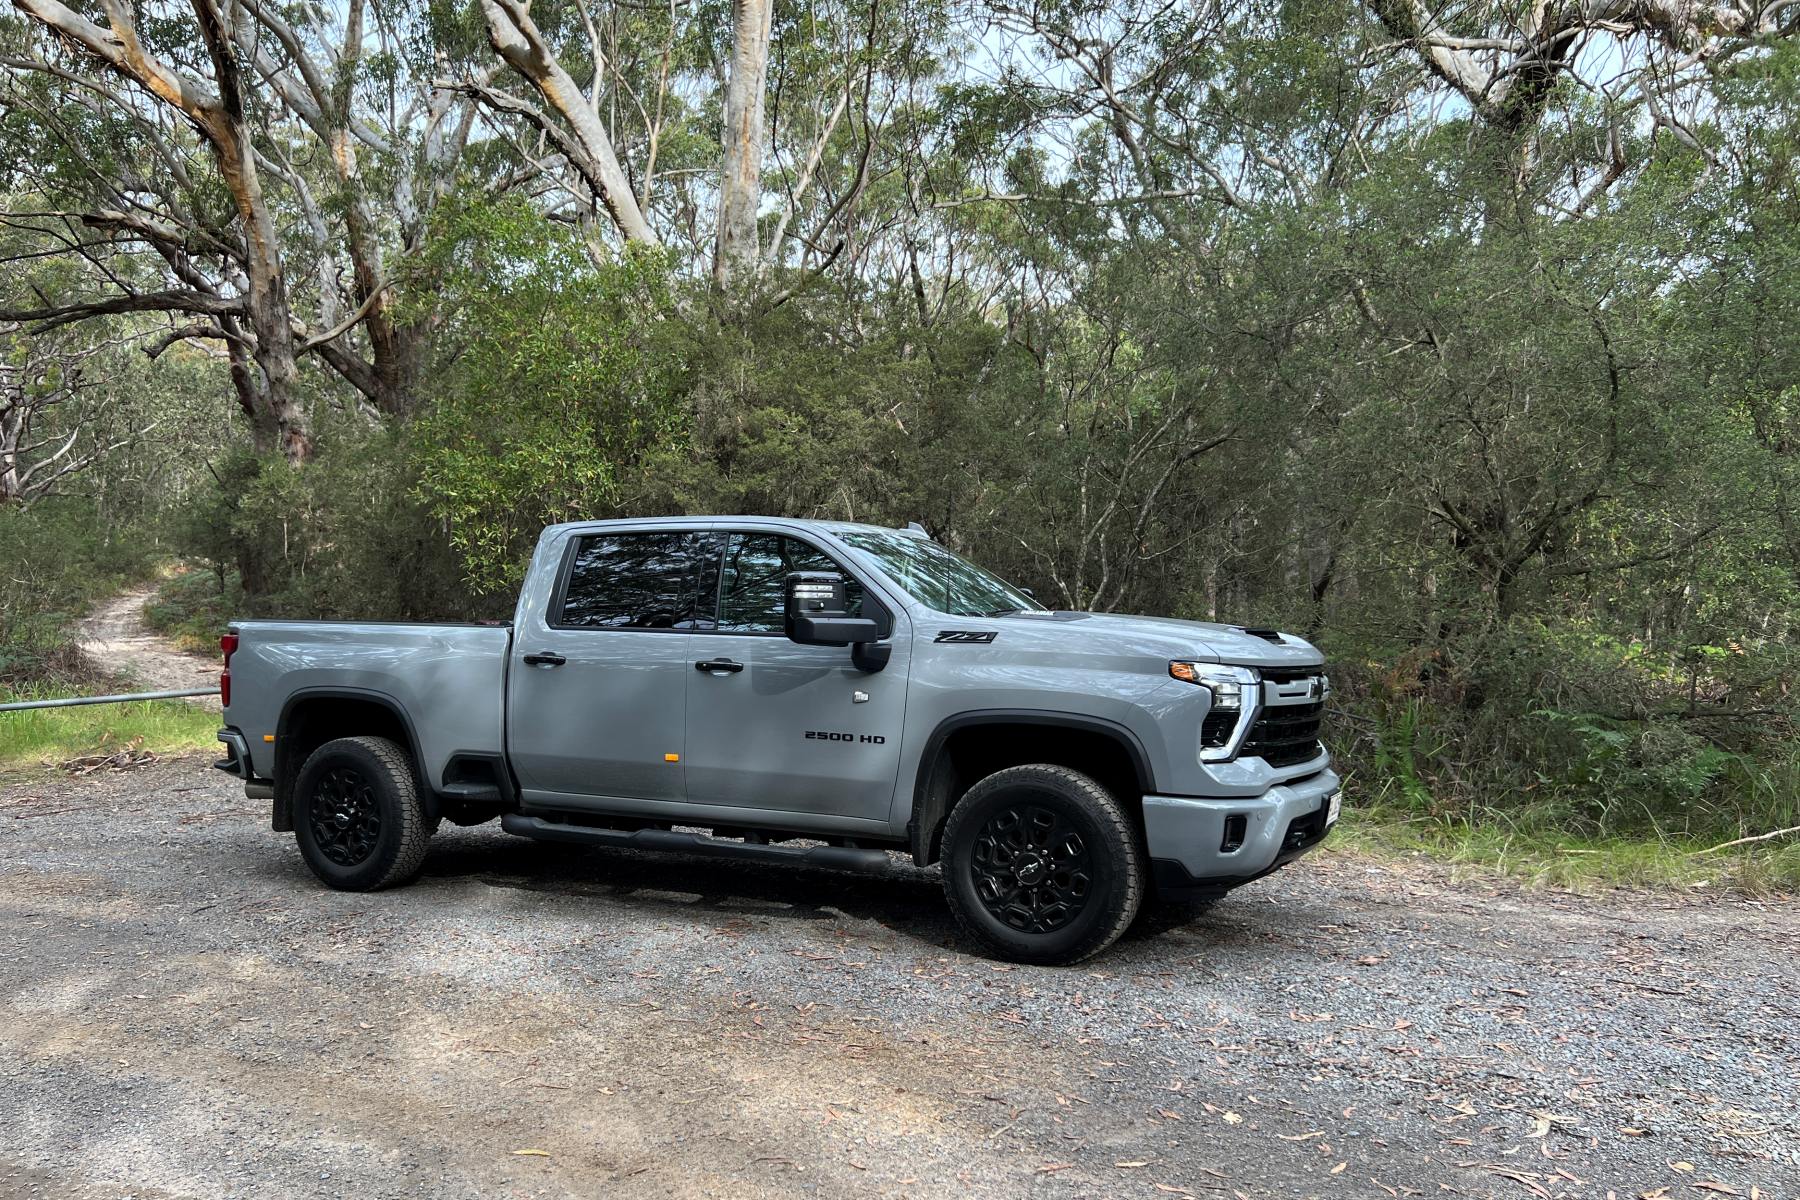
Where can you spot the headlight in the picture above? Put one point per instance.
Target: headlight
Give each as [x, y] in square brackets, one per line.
[1236, 695]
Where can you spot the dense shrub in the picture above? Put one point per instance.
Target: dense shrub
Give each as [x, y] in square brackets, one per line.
[346, 537]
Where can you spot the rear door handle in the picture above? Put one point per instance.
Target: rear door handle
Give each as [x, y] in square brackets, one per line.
[718, 666]
[545, 658]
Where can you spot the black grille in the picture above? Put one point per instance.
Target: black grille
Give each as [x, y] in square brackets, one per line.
[1286, 674]
[1285, 734]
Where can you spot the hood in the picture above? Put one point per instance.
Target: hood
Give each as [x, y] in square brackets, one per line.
[1167, 637]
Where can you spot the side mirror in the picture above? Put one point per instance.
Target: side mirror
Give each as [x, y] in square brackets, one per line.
[817, 612]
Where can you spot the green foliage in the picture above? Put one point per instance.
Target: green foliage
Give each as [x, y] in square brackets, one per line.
[1630, 748]
[1506, 416]
[1536, 851]
[562, 379]
[344, 537]
[192, 608]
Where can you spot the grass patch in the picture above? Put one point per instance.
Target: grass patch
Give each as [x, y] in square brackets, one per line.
[41, 735]
[192, 608]
[1549, 857]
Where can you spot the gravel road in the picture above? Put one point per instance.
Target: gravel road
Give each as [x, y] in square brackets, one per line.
[189, 1015]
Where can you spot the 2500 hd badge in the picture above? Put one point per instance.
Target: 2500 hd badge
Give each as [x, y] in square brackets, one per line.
[822, 735]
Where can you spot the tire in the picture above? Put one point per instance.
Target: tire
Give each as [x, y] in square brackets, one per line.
[357, 815]
[1015, 883]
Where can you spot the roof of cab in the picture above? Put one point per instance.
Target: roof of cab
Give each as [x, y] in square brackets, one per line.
[835, 527]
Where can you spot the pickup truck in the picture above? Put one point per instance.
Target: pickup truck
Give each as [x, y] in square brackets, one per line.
[806, 691]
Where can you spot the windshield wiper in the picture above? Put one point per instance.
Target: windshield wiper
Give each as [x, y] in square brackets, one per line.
[1002, 612]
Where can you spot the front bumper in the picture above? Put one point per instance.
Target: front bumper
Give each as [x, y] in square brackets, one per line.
[1201, 847]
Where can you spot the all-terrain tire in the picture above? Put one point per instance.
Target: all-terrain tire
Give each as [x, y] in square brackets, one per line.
[358, 817]
[1042, 865]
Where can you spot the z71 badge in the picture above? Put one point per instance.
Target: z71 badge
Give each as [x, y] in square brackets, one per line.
[967, 635]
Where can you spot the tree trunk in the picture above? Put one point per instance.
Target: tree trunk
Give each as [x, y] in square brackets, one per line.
[266, 306]
[12, 427]
[516, 38]
[740, 179]
[395, 348]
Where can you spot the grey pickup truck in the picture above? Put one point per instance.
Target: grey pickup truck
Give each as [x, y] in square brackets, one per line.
[809, 691]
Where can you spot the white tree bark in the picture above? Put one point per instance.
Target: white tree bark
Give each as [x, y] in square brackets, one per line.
[521, 46]
[1504, 72]
[740, 180]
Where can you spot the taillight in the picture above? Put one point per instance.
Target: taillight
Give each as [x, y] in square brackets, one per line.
[228, 643]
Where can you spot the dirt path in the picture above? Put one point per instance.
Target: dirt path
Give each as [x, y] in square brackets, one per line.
[191, 1015]
[116, 639]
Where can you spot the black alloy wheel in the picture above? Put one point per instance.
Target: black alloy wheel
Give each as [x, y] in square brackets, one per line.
[1032, 868]
[346, 819]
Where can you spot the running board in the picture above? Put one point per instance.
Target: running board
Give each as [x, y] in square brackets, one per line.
[841, 858]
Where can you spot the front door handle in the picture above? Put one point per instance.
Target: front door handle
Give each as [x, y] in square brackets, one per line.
[545, 658]
[718, 666]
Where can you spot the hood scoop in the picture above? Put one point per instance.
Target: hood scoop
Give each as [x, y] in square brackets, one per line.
[1267, 635]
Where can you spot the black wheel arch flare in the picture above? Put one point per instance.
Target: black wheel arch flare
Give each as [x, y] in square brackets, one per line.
[286, 767]
[934, 782]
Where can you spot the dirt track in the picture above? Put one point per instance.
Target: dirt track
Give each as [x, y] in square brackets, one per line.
[190, 1015]
[116, 640]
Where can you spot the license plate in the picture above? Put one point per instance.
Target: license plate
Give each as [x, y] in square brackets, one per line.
[1334, 807]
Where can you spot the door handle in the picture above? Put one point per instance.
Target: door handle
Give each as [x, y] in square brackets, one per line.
[545, 658]
[718, 666]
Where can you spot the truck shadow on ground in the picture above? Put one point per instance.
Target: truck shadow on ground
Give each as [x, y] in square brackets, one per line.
[907, 901]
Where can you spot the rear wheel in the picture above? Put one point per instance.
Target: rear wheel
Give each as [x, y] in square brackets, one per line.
[1042, 865]
[357, 815]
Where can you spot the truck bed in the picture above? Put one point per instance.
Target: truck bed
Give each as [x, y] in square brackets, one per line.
[449, 680]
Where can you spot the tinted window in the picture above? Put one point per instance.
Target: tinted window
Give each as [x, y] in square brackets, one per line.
[630, 581]
[751, 580]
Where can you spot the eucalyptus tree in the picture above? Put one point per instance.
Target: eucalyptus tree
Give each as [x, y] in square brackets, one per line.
[745, 136]
[251, 175]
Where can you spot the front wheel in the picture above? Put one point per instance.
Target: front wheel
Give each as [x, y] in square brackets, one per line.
[1041, 865]
[357, 815]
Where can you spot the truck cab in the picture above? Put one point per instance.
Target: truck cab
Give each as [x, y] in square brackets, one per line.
[816, 691]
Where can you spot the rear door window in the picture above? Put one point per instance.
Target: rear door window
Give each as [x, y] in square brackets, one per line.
[630, 581]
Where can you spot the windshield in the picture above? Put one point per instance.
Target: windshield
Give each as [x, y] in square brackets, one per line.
[932, 575]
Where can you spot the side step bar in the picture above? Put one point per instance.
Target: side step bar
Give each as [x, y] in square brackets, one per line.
[842, 858]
